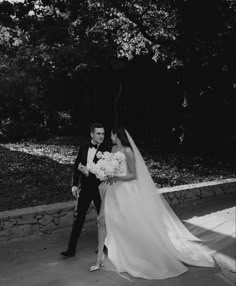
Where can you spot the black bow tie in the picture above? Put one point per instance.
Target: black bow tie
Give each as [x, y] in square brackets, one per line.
[91, 145]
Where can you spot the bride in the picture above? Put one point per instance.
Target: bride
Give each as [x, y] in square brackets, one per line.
[142, 234]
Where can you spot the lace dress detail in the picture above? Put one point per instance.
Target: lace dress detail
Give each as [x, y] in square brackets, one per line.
[123, 167]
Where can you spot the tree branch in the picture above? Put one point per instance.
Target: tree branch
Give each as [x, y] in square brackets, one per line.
[138, 22]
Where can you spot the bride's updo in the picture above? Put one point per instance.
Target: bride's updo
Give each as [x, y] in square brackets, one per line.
[121, 134]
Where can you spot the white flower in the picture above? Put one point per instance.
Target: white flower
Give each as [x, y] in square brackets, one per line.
[91, 167]
[99, 155]
[108, 165]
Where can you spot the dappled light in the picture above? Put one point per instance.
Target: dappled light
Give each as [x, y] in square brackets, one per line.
[40, 173]
[76, 77]
[217, 233]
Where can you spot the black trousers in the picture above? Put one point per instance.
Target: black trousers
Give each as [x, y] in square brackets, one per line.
[87, 195]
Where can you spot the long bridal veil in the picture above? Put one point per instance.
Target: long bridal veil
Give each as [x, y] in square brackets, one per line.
[179, 241]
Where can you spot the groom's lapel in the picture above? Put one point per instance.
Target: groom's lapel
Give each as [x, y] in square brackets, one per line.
[95, 159]
[86, 153]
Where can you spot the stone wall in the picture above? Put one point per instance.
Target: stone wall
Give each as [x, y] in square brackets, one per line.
[45, 219]
[181, 194]
[36, 220]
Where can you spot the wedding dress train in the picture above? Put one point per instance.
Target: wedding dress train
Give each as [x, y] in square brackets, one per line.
[144, 236]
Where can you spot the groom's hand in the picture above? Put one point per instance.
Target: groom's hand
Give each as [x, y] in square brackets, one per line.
[75, 191]
[83, 169]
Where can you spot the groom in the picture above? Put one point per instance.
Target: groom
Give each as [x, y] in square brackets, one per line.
[85, 184]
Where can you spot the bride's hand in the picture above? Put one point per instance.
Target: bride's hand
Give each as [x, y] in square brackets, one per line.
[112, 180]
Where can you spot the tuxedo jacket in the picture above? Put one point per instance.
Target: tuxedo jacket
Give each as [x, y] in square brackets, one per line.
[78, 177]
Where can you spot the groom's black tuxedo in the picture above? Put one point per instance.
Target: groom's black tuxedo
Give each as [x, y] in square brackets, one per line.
[80, 178]
[89, 192]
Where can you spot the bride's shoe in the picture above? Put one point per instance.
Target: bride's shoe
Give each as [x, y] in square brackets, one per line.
[99, 263]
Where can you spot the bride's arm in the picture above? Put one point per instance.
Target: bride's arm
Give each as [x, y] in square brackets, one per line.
[130, 159]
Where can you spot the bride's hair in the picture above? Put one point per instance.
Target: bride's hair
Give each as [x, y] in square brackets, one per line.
[121, 134]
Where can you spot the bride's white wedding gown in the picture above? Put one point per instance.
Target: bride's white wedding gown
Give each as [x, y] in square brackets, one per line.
[144, 236]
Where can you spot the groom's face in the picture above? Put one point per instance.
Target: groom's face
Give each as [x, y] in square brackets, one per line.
[98, 135]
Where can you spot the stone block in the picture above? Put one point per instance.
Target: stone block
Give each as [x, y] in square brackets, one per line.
[45, 220]
[20, 231]
[3, 237]
[182, 193]
[177, 194]
[48, 228]
[6, 234]
[56, 220]
[39, 216]
[26, 219]
[230, 189]
[196, 192]
[25, 230]
[188, 194]
[35, 228]
[8, 224]
[165, 196]
[218, 191]
[206, 193]
[171, 195]
[193, 198]
[174, 201]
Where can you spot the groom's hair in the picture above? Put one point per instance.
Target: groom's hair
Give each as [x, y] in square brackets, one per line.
[96, 125]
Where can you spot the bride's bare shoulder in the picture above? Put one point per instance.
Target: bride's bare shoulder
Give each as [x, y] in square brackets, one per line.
[128, 151]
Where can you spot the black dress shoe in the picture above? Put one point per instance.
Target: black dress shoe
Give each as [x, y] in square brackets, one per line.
[67, 253]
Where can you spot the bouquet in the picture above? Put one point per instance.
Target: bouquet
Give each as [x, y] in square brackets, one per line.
[108, 165]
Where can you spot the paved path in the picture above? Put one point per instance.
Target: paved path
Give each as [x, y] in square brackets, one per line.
[35, 261]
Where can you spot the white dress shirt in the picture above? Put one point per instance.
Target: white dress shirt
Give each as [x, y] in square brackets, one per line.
[91, 153]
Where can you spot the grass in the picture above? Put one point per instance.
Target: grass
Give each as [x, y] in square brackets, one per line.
[40, 173]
